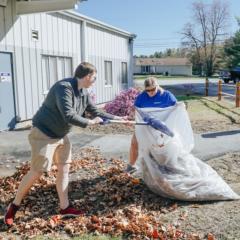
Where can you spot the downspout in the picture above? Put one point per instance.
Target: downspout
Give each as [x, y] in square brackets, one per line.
[130, 74]
[83, 37]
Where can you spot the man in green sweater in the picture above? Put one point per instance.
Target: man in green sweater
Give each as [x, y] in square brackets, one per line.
[63, 107]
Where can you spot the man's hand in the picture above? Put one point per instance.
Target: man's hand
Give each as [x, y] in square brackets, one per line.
[94, 121]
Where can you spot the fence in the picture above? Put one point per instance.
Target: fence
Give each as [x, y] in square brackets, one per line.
[221, 93]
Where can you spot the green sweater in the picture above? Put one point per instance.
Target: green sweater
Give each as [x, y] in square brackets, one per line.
[63, 107]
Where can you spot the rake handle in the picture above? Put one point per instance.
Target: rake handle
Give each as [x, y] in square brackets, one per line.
[125, 122]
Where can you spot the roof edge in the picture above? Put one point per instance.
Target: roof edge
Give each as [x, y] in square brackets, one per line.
[72, 13]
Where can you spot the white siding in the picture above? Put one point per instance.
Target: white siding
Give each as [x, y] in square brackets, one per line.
[175, 70]
[172, 70]
[103, 45]
[137, 69]
[58, 36]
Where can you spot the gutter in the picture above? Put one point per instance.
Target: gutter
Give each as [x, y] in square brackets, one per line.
[88, 20]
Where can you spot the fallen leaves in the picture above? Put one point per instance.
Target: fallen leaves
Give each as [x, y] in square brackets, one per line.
[210, 236]
[114, 203]
[135, 181]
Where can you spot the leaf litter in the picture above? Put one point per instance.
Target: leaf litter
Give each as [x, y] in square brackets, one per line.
[114, 203]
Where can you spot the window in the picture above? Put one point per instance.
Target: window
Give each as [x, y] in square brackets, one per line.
[54, 69]
[53, 73]
[46, 74]
[124, 73]
[145, 69]
[108, 72]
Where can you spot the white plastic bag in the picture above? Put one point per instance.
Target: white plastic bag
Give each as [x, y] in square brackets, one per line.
[167, 166]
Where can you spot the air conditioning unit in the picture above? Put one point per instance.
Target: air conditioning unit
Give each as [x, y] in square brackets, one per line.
[3, 3]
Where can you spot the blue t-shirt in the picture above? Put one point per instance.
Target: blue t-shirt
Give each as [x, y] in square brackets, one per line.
[163, 100]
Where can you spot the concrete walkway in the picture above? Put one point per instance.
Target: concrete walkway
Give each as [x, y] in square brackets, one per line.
[14, 146]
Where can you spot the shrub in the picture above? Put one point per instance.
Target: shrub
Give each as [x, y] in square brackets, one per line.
[123, 104]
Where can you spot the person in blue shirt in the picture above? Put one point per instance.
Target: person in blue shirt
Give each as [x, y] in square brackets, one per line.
[152, 96]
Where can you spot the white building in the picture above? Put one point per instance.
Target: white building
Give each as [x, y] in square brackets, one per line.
[37, 49]
[169, 66]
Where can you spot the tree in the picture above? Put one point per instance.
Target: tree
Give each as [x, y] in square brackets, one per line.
[157, 54]
[205, 32]
[231, 50]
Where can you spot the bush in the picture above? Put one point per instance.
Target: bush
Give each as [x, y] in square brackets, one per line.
[123, 104]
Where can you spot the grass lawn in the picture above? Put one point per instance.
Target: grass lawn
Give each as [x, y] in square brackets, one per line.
[187, 98]
[162, 77]
[143, 77]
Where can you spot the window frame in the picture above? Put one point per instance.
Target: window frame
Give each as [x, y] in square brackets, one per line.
[108, 82]
[124, 73]
[61, 62]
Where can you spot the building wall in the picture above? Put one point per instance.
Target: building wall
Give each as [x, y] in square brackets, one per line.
[172, 70]
[59, 36]
[103, 45]
[175, 70]
[137, 69]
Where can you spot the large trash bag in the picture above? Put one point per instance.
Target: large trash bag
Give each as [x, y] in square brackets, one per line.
[167, 166]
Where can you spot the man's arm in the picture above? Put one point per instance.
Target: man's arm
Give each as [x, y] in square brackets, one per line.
[96, 112]
[64, 100]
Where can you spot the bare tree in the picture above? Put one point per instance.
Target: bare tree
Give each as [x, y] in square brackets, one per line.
[206, 31]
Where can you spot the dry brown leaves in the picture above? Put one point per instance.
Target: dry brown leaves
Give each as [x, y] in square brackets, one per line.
[110, 128]
[114, 203]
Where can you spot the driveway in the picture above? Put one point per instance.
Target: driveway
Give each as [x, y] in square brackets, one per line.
[15, 149]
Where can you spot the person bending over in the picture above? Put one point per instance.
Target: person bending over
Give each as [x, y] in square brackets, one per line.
[152, 96]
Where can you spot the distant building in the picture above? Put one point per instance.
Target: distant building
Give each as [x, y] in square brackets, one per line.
[165, 66]
[40, 45]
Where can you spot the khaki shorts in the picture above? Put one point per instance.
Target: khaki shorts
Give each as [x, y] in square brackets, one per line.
[46, 150]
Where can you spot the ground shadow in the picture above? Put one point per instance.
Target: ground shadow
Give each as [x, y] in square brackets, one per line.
[218, 134]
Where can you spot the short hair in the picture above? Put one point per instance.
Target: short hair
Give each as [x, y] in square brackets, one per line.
[83, 69]
[150, 82]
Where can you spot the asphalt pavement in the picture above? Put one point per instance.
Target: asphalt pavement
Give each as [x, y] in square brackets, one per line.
[14, 146]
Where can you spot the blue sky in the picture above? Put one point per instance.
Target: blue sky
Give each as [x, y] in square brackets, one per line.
[155, 22]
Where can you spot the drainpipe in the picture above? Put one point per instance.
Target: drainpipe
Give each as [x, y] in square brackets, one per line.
[83, 37]
[130, 75]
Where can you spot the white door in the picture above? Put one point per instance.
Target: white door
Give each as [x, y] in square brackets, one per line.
[7, 107]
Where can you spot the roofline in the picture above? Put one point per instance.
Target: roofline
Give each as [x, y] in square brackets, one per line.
[161, 58]
[188, 64]
[76, 15]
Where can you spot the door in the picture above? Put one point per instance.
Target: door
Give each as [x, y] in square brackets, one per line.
[7, 108]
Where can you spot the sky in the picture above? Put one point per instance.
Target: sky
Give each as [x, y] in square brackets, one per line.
[157, 23]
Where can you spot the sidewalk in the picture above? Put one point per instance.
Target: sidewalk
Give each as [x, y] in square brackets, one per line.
[14, 146]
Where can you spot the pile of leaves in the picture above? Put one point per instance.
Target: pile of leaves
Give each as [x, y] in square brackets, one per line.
[123, 104]
[110, 128]
[114, 203]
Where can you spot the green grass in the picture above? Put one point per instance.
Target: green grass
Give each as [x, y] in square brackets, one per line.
[143, 77]
[231, 115]
[187, 98]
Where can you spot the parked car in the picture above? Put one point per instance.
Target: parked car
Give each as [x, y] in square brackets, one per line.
[225, 75]
[230, 75]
